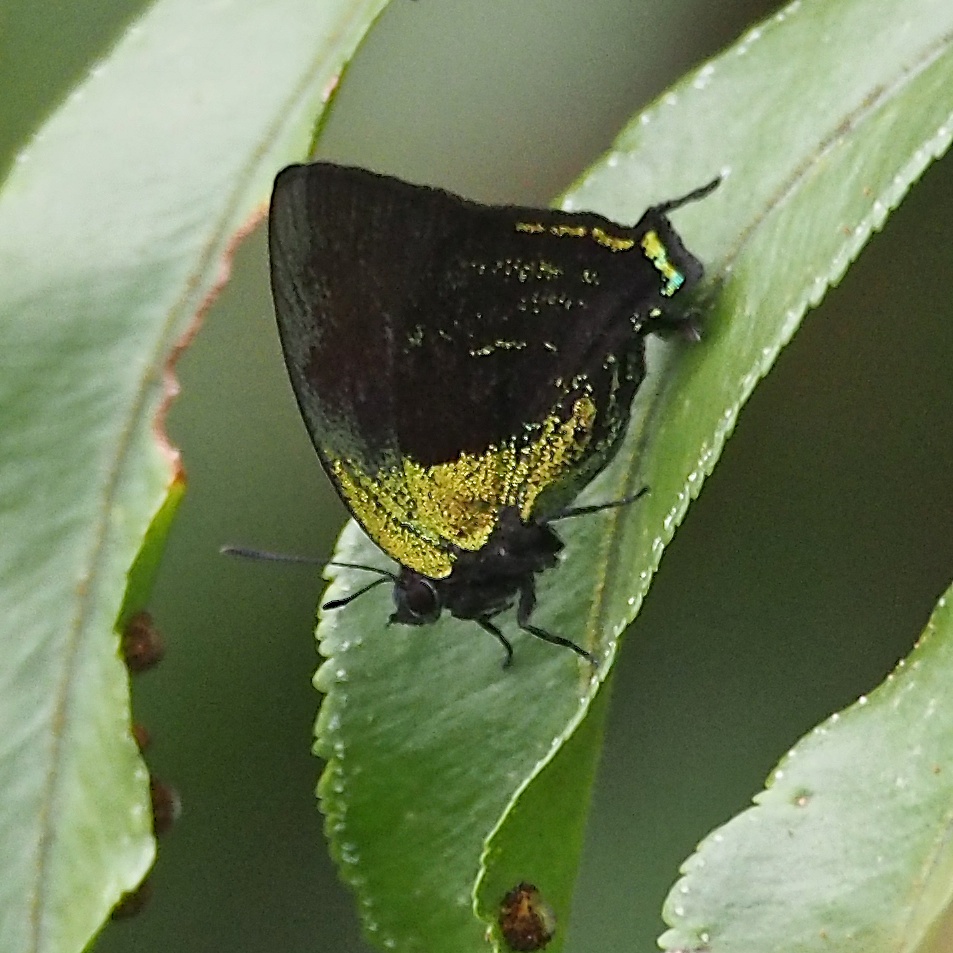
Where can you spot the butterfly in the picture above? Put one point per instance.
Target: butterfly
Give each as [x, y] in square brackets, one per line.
[464, 370]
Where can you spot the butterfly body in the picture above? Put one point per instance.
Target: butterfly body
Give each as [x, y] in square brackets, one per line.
[463, 370]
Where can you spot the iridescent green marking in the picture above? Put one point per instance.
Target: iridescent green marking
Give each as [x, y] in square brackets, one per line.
[657, 253]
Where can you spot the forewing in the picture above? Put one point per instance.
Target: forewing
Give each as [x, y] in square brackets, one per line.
[342, 259]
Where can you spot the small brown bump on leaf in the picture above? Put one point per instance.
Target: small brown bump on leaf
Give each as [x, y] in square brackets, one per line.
[527, 921]
[166, 805]
[133, 903]
[142, 644]
[141, 736]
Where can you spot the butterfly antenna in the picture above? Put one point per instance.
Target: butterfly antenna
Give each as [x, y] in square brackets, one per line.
[263, 555]
[665, 207]
[386, 573]
[598, 507]
[337, 603]
[266, 556]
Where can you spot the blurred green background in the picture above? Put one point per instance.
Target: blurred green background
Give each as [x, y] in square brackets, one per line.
[808, 566]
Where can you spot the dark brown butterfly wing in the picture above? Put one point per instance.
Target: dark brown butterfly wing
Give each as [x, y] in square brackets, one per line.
[451, 359]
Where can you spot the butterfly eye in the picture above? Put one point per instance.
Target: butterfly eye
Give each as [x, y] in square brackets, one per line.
[417, 600]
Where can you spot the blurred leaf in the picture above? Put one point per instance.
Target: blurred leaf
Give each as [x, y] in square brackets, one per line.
[849, 848]
[116, 225]
[819, 120]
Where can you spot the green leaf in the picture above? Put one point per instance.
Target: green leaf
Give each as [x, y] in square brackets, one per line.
[849, 848]
[541, 837]
[116, 227]
[820, 120]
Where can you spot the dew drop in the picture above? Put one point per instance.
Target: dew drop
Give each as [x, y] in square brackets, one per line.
[349, 854]
[704, 76]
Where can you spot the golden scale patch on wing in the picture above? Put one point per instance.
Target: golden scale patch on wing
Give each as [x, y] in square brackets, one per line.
[522, 270]
[416, 513]
[600, 235]
[612, 242]
[495, 346]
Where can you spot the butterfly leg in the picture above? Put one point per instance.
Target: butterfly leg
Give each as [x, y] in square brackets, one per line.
[488, 626]
[598, 507]
[523, 611]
